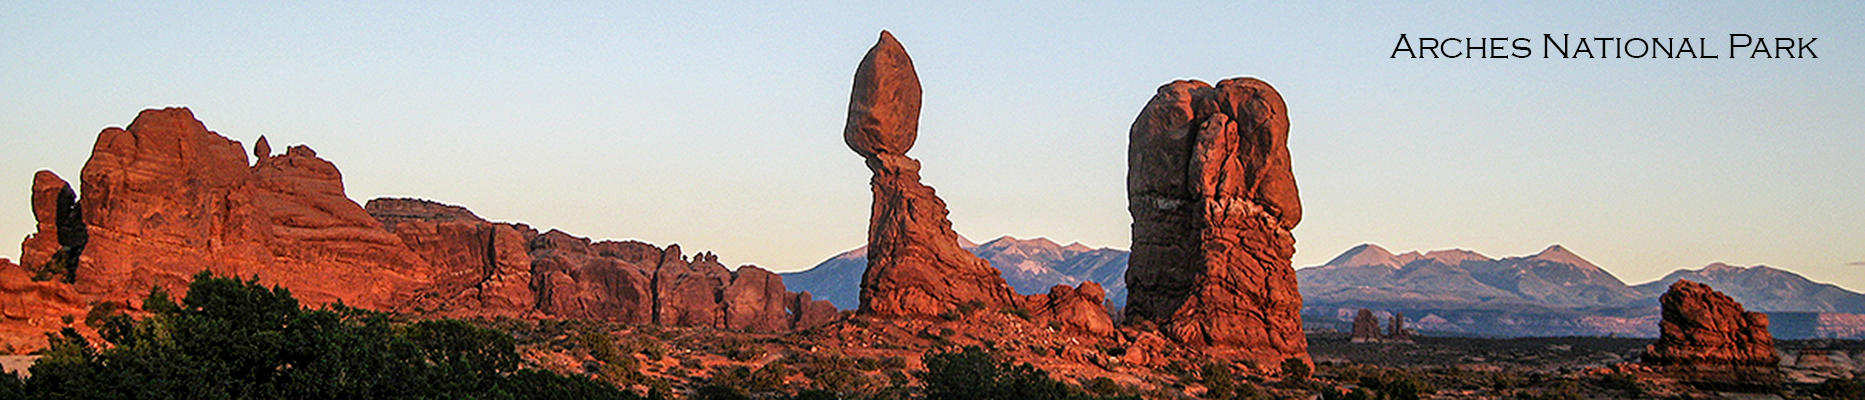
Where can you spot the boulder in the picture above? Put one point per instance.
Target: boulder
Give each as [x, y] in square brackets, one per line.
[915, 267]
[1213, 199]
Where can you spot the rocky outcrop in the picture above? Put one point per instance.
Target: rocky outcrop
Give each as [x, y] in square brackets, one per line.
[575, 278]
[52, 253]
[915, 267]
[1075, 308]
[481, 268]
[807, 312]
[1705, 328]
[30, 308]
[756, 301]
[1365, 327]
[1213, 199]
[1397, 332]
[165, 198]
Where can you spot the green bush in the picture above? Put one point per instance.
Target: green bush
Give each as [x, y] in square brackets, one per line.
[237, 339]
[1840, 389]
[972, 373]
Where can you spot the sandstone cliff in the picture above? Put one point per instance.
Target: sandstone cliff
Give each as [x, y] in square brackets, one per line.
[165, 198]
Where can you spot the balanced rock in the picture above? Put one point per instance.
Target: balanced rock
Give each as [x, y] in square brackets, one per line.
[1213, 199]
[1702, 327]
[915, 267]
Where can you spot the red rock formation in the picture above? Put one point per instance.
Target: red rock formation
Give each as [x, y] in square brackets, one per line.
[1705, 328]
[687, 293]
[29, 309]
[481, 268]
[1213, 199]
[1397, 331]
[1365, 327]
[53, 251]
[608, 280]
[756, 301]
[1077, 308]
[915, 267]
[166, 198]
[807, 312]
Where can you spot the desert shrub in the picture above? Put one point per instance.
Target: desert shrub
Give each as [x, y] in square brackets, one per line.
[1019, 312]
[237, 339]
[1840, 389]
[1295, 370]
[972, 373]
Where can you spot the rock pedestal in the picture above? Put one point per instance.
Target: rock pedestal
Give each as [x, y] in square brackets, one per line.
[915, 267]
[1213, 199]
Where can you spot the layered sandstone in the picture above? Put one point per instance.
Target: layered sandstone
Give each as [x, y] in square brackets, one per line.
[29, 309]
[1213, 199]
[915, 267]
[165, 198]
[1705, 328]
[481, 268]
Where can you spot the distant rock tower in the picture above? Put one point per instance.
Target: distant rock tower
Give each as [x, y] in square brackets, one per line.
[1213, 199]
[1365, 327]
[915, 267]
[1397, 331]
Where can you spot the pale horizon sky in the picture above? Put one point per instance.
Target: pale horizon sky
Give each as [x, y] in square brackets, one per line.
[718, 125]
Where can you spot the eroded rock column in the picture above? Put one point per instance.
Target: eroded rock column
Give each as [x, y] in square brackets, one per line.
[1213, 199]
[915, 267]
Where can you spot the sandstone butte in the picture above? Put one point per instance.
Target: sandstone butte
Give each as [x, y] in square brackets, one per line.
[165, 198]
[915, 266]
[1705, 329]
[1213, 199]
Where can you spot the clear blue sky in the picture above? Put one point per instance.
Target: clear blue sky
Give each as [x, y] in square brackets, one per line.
[718, 126]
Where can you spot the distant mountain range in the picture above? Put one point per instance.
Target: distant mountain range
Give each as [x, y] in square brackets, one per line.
[1030, 266]
[1551, 293]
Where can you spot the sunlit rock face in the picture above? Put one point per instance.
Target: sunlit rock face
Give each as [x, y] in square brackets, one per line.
[915, 267]
[165, 198]
[1703, 327]
[1213, 199]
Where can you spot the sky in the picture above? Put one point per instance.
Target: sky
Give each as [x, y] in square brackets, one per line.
[717, 126]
